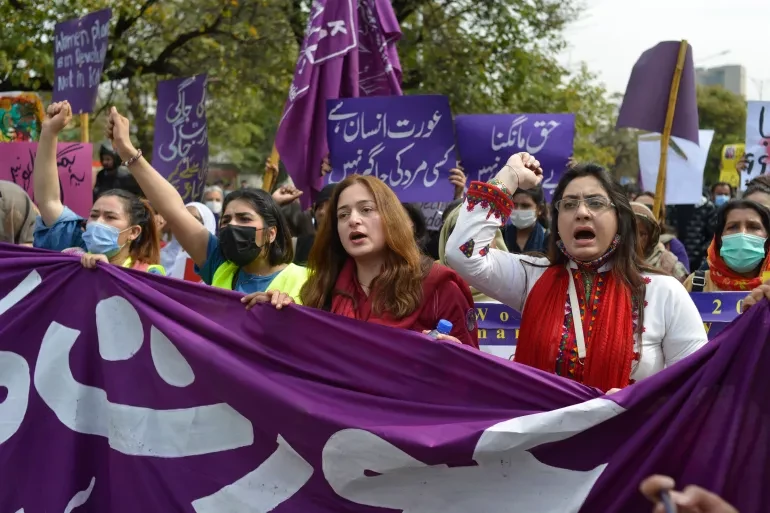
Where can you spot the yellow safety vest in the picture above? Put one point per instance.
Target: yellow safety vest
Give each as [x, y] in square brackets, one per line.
[289, 281]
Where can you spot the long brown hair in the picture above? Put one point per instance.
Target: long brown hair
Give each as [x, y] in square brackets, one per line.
[146, 247]
[398, 289]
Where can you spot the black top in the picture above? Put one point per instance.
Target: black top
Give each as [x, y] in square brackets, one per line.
[119, 178]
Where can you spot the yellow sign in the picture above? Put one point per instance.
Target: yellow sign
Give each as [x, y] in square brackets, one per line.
[728, 169]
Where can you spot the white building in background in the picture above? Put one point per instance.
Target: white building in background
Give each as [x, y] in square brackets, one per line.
[732, 77]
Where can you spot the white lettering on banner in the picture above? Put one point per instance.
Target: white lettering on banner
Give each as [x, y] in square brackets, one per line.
[353, 127]
[21, 291]
[118, 328]
[14, 369]
[506, 471]
[171, 366]
[133, 430]
[15, 377]
[78, 500]
[274, 482]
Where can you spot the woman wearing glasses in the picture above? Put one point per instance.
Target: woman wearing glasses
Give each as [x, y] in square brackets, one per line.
[592, 311]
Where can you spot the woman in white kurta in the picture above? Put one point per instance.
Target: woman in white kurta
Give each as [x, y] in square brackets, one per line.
[631, 322]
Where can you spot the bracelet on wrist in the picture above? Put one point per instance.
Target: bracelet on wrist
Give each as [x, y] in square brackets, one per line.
[501, 185]
[133, 159]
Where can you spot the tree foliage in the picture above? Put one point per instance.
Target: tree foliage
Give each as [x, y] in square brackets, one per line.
[487, 56]
[725, 113]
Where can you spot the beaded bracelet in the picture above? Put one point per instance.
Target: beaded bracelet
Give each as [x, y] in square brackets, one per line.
[500, 185]
[133, 159]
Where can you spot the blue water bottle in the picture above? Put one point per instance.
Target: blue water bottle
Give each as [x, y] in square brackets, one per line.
[443, 327]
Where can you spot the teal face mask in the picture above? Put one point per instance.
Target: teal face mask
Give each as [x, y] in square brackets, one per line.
[742, 252]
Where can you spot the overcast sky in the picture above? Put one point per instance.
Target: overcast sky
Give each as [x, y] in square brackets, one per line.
[612, 34]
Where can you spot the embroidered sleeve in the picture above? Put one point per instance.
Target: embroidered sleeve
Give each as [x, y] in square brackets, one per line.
[498, 274]
[491, 198]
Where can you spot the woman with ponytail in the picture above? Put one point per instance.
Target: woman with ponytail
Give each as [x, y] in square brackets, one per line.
[121, 228]
[592, 311]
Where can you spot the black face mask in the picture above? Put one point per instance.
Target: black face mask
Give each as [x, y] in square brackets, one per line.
[239, 244]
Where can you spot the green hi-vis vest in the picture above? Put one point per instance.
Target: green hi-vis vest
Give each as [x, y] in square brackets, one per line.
[289, 281]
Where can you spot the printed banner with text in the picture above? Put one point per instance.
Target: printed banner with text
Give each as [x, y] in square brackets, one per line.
[757, 141]
[406, 141]
[17, 162]
[498, 324]
[80, 46]
[150, 394]
[486, 141]
[181, 144]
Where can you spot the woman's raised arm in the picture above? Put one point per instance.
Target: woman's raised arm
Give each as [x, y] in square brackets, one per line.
[191, 234]
[45, 177]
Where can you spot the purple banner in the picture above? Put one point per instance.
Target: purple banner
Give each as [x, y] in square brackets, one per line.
[181, 146]
[406, 141]
[499, 324]
[154, 394]
[486, 141]
[80, 46]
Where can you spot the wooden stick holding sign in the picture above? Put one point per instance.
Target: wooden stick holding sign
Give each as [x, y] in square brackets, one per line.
[660, 186]
[271, 173]
[84, 127]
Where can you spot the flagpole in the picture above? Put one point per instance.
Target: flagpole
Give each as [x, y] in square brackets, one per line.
[660, 186]
[84, 127]
[270, 175]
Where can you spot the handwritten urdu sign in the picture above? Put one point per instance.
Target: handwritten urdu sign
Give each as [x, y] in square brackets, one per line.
[499, 324]
[406, 141]
[17, 162]
[486, 141]
[80, 46]
[757, 141]
[181, 148]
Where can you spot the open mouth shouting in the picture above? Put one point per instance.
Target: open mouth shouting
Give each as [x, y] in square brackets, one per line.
[584, 236]
[358, 238]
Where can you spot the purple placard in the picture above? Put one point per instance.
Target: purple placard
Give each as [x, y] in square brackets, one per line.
[486, 141]
[80, 46]
[406, 141]
[181, 147]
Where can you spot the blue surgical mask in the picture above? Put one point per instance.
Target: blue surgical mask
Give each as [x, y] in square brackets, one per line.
[721, 199]
[102, 239]
[742, 252]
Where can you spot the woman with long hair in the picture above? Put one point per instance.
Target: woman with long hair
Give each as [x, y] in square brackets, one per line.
[366, 265]
[738, 256]
[253, 251]
[591, 310]
[121, 228]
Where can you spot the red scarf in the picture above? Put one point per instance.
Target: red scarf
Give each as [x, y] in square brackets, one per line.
[608, 328]
[728, 280]
[348, 295]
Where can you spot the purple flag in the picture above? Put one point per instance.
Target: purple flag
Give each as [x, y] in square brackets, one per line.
[130, 392]
[486, 141]
[181, 146]
[80, 46]
[349, 51]
[406, 141]
[646, 100]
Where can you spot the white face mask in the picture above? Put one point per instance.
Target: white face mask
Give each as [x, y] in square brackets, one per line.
[215, 206]
[523, 218]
